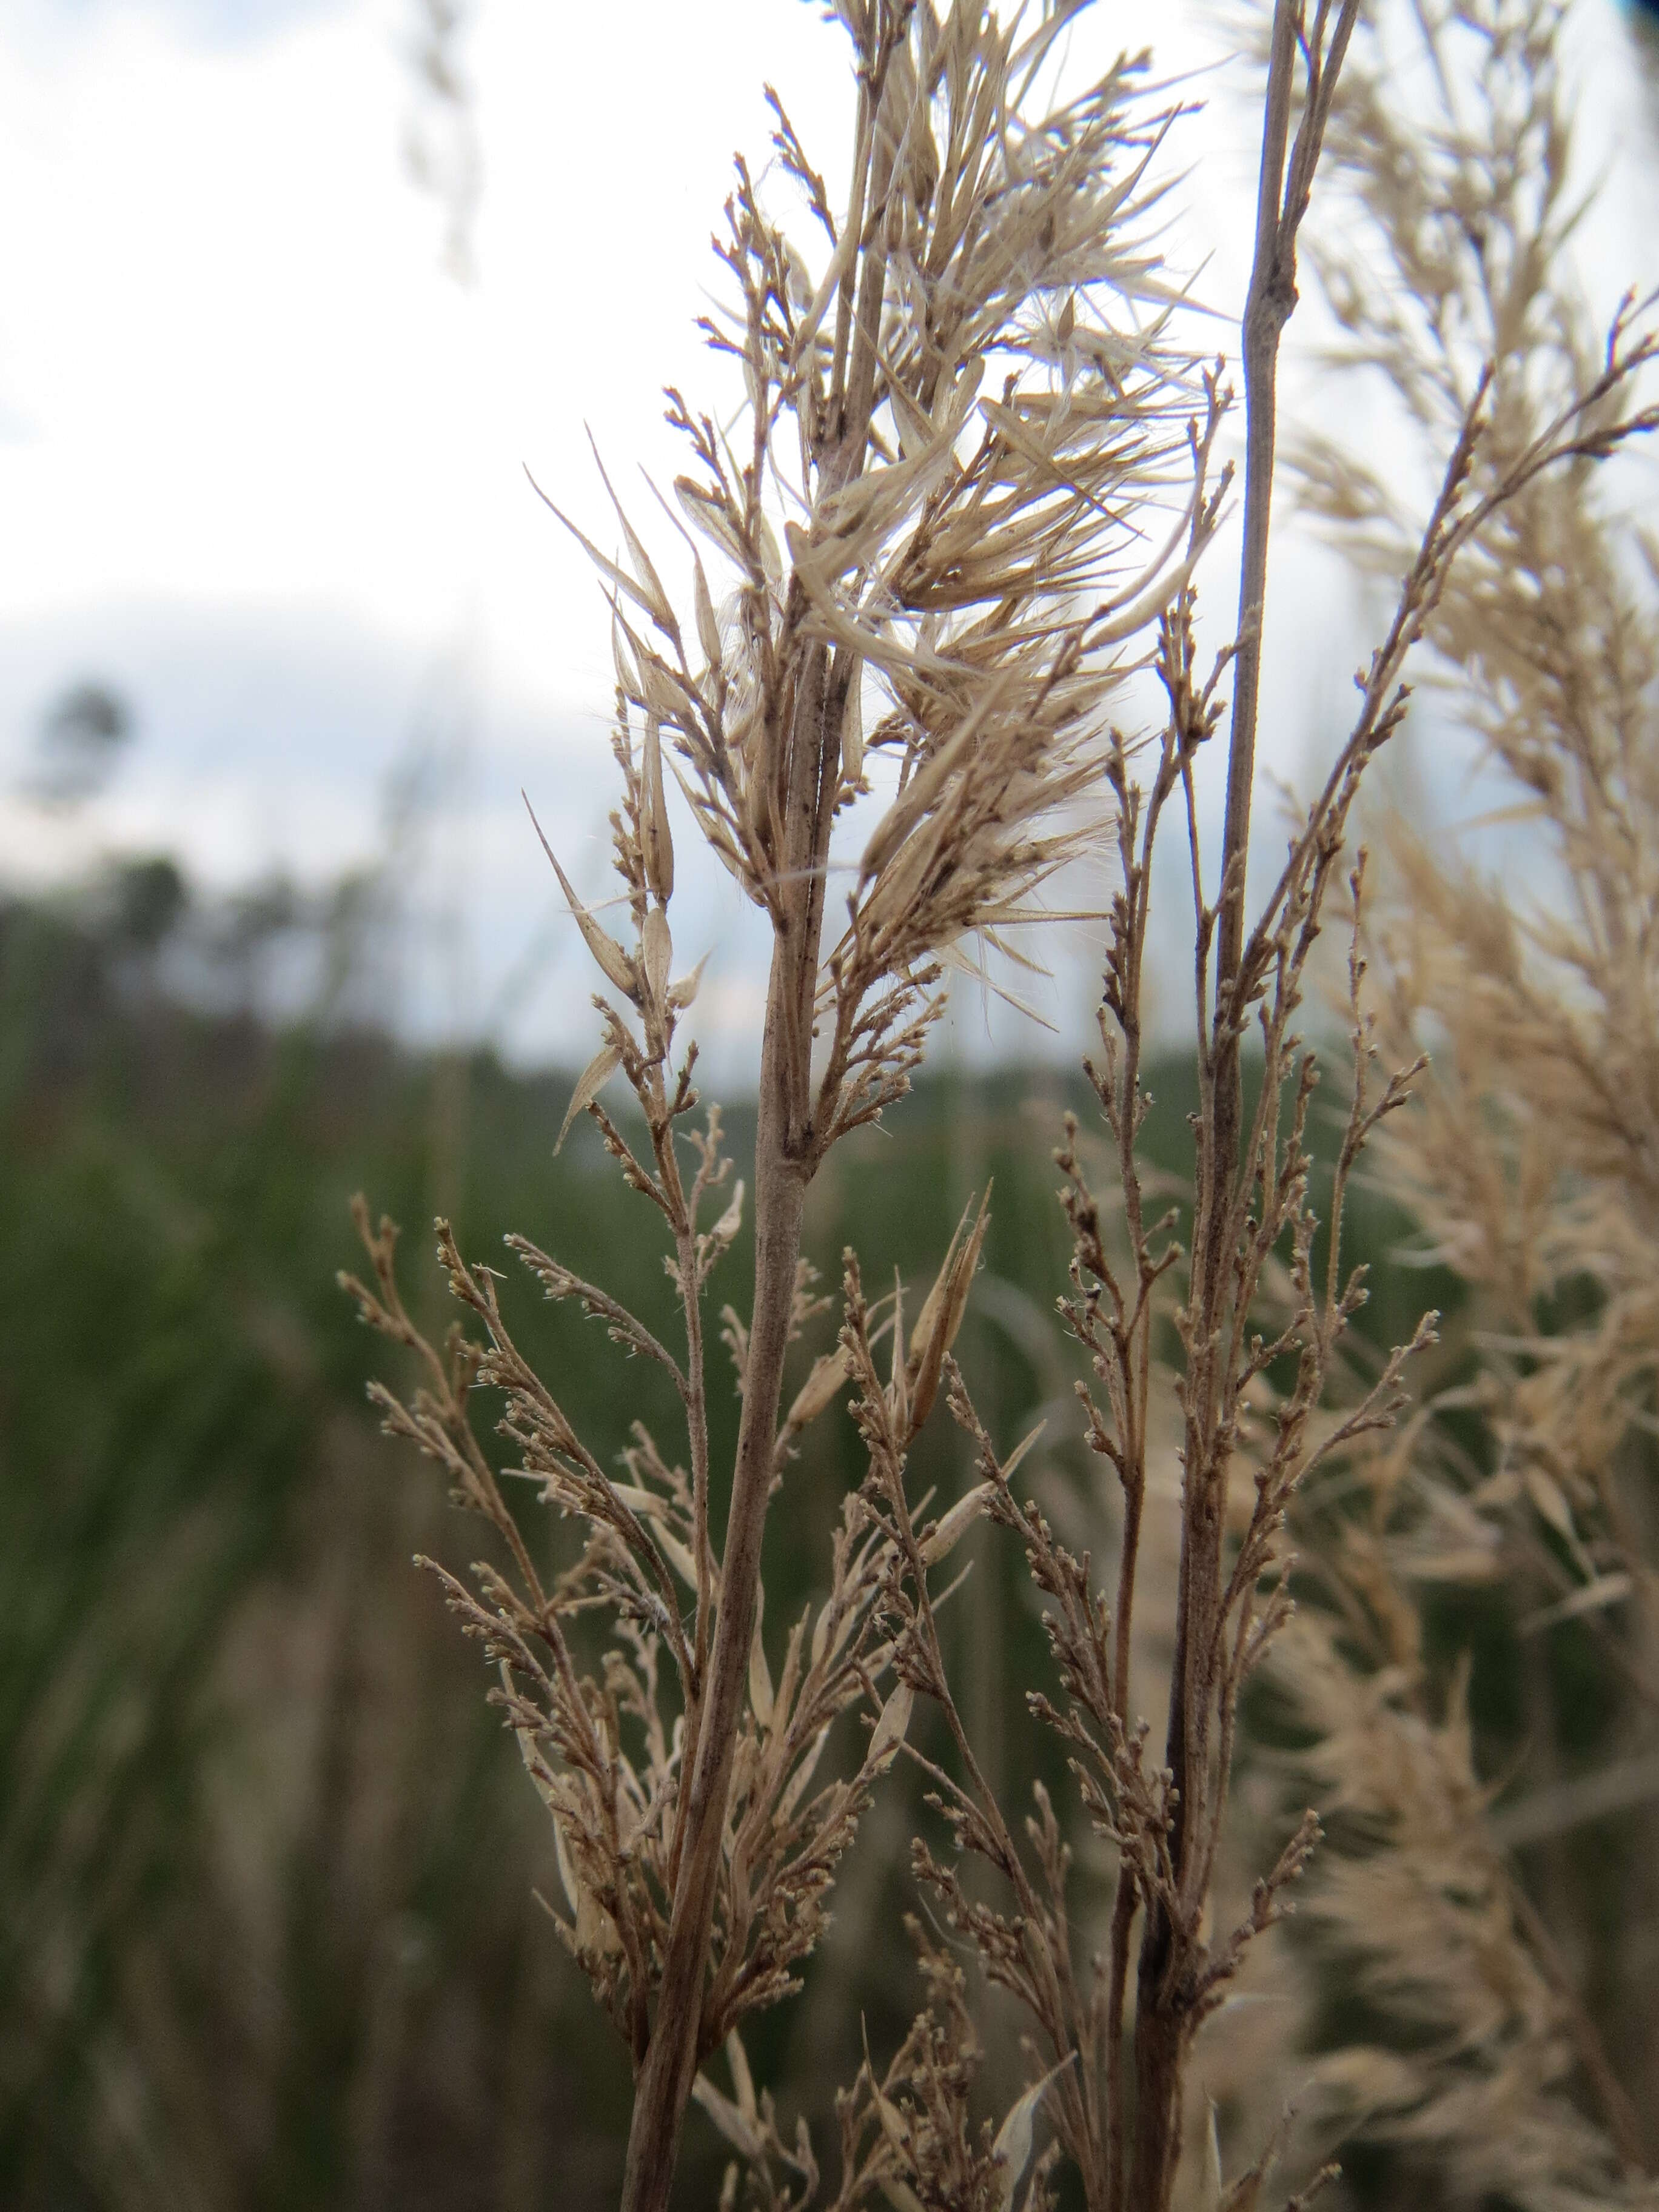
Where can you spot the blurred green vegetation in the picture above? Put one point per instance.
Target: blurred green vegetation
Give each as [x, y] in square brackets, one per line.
[268, 1928]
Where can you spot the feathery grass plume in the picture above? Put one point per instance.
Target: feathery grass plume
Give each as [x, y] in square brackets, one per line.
[923, 566]
[1527, 1159]
[1481, 2045]
[1260, 1320]
[960, 578]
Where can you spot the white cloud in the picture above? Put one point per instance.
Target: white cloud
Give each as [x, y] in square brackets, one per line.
[231, 371]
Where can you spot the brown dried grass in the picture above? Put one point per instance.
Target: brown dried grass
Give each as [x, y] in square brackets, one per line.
[964, 422]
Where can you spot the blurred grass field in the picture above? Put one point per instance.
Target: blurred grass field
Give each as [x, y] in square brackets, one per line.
[268, 1928]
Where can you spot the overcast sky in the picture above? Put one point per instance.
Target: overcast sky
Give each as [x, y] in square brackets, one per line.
[262, 461]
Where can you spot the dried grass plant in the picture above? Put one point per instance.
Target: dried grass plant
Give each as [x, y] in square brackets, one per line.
[1527, 1160]
[919, 571]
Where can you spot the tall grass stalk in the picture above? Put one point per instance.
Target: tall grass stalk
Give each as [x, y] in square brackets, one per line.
[969, 489]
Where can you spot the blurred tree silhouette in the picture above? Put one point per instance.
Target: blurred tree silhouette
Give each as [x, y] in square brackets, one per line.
[150, 899]
[81, 738]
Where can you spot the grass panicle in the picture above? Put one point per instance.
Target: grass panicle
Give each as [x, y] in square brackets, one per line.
[971, 487]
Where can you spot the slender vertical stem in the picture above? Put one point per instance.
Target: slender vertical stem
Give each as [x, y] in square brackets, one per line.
[1163, 2022]
[1281, 203]
[696, 1421]
[1267, 309]
[785, 1154]
[670, 2064]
